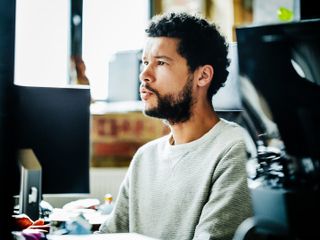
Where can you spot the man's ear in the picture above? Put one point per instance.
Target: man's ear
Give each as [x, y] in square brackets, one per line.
[205, 75]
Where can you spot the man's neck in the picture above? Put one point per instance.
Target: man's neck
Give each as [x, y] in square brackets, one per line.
[199, 124]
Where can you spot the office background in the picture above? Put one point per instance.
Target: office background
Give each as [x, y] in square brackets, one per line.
[54, 39]
[98, 33]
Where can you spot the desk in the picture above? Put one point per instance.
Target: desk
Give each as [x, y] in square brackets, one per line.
[113, 236]
[95, 219]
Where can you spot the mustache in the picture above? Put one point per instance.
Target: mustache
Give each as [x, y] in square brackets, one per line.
[146, 86]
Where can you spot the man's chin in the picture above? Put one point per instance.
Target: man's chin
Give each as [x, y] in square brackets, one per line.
[151, 112]
[148, 111]
[148, 106]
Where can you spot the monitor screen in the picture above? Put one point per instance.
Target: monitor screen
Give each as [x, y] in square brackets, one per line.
[227, 101]
[279, 66]
[228, 97]
[54, 123]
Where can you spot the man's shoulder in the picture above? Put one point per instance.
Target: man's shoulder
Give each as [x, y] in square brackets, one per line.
[232, 133]
[233, 128]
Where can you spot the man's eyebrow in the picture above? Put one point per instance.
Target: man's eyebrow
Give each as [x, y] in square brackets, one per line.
[163, 57]
[159, 57]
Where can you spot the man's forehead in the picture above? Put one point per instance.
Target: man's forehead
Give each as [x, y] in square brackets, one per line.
[157, 46]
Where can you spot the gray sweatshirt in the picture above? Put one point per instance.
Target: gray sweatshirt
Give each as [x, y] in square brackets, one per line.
[196, 190]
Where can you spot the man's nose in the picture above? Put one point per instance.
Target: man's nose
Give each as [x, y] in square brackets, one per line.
[146, 74]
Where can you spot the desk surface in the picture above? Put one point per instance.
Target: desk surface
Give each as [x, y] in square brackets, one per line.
[113, 236]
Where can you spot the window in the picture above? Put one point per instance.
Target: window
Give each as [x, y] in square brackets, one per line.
[110, 26]
[42, 50]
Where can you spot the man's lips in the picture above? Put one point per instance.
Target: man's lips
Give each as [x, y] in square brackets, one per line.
[145, 93]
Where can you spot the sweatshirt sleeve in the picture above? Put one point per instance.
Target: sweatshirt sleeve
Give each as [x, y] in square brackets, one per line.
[118, 220]
[229, 202]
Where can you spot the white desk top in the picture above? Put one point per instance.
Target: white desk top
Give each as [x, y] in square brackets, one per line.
[113, 236]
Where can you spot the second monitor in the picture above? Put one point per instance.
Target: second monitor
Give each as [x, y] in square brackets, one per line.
[55, 124]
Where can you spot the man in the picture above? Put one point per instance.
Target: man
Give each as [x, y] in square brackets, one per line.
[192, 183]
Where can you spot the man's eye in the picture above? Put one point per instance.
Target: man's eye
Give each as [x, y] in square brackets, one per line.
[161, 63]
[145, 63]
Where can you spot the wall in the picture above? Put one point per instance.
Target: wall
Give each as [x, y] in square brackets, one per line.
[102, 181]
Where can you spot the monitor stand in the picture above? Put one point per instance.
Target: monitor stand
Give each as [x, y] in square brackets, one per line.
[30, 187]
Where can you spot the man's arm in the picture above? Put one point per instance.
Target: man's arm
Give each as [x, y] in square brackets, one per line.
[229, 202]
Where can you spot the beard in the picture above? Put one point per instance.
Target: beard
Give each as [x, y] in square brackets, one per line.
[173, 108]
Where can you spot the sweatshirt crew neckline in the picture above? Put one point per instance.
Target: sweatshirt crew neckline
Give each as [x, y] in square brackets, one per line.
[190, 146]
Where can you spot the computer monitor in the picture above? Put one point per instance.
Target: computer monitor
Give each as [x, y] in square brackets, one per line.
[228, 98]
[280, 70]
[227, 101]
[30, 183]
[55, 124]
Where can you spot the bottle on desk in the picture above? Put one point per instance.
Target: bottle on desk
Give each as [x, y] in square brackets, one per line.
[107, 206]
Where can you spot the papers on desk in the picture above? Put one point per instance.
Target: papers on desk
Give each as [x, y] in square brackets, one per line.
[93, 216]
[113, 236]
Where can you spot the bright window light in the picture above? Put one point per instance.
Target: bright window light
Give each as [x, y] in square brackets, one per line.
[108, 27]
[42, 50]
[42, 42]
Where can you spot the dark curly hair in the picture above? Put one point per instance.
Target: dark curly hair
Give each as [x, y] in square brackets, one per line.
[200, 43]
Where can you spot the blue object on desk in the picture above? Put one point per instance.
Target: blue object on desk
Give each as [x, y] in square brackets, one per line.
[79, 225]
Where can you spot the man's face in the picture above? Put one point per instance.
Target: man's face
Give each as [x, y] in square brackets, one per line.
[166, 83]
